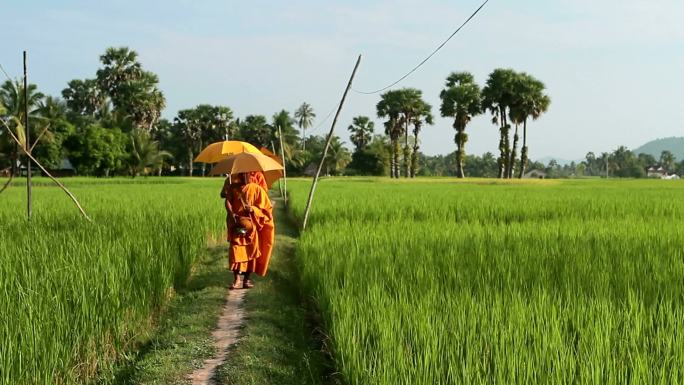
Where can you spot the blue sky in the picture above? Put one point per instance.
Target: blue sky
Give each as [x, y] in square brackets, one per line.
[613, 68]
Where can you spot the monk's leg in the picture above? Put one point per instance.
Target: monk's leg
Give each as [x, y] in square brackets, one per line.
[236, 280]
[248, 284]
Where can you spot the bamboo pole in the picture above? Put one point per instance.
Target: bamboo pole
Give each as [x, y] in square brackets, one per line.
[282, 156]
[73, 198]
[29, 187]
[327, 145]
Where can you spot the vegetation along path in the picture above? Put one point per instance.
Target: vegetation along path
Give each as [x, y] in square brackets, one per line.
[264, 335]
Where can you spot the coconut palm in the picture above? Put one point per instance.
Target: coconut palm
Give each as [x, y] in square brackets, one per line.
[282, 123]
[361, 131]
[497, 97]
[337, 158]
[304, 116]
[461, 101]
[12, 101]
[145, 153]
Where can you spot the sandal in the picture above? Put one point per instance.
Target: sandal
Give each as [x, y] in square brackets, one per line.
[248, 284]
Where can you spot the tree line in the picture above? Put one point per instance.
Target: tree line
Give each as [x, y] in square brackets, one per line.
[111, 124]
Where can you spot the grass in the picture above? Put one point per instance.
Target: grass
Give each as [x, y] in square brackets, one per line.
[183, 339]
[280, 345]
[442, 282]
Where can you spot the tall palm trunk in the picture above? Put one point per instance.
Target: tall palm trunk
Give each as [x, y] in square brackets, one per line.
[523, 155]
[460, 149]
[414, 154]
[190, 158]
[502, 152]
[397, 150]
[513, 154]
[503, 144]
[407, 151]
[303, 138]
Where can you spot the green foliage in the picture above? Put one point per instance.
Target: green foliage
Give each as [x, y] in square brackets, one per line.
[256, 130]
[304, 117]
[402, 108]
[145, 154]
[459, 283]
[361, 131]
[133, 92]
[84, 97]
[97, 150]
[461, 101]
[374, 159]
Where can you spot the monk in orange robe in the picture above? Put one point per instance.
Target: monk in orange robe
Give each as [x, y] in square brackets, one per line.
[248, 205]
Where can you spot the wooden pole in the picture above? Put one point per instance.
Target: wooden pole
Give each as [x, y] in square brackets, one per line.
[29, 197]
[280, 185]
[282, 156]
[327, 145]
[73, 198]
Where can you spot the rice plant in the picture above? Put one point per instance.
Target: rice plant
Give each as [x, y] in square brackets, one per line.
[480, 282]
[75, 295]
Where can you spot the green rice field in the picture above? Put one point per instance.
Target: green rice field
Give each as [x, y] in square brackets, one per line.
[487, 282]
[76, 295]
[428, 281]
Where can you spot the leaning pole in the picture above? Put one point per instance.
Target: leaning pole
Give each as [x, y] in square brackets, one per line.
[327, 145]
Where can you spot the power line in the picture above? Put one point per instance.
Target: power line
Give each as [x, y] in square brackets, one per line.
[324, 119]
[428, 57]
[5, 72]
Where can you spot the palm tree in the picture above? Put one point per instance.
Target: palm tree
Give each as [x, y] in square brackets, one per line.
[423, 115]
[338, 157]
[145, 153]
[361, 131]
[187, 124]
[410, 98]
[121, 67]
[304, 116]
[461, 100]
[530, 102]
[12, 101]
[390, 107]
[497, 96]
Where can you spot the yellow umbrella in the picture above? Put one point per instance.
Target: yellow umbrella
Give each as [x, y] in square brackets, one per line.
[271, 155]
[218, 151]
[246, 162]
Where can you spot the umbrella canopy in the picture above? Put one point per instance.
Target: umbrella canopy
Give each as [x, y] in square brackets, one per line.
[271, 155]
[246, 162]
[219, 151]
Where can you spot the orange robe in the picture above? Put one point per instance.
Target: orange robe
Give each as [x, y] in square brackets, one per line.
[258, 178]
[251, 252]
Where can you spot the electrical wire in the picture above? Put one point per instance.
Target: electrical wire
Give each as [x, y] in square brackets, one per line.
[5, 72]
[428, 57]
[324, 120]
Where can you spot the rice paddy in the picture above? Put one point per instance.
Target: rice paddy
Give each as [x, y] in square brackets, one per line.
[420, 282]
[535, 282]
[74, 296]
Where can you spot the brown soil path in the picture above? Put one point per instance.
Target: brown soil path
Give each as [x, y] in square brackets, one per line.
[225, 335]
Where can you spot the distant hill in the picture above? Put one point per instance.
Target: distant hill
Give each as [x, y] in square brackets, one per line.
[655, 147]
